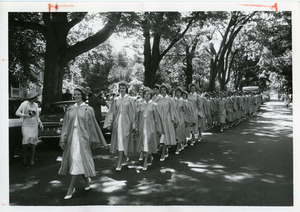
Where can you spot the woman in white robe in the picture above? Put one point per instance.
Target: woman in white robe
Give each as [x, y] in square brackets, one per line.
[121, 120]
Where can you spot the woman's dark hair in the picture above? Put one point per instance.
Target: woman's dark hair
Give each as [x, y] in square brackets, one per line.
[151, 93]
[125, 87]
[167, 90]
[83, 95]
[193, 86]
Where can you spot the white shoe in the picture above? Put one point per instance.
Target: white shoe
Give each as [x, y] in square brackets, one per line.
[125, 163]
[71, 195]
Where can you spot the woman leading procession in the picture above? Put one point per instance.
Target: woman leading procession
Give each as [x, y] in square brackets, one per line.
[80, 131]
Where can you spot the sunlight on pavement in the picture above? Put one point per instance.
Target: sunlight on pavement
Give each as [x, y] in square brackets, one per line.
[218, 166]
[145, 186]
[18, 187]
[105, 157]
[55, 183]
[264, 134]
[206, 133]
[199, 170]
[115, 200]
[268, 181]
[195, 165]
[107, 171]
[238, 177]
[110, 185]
[184, 178]
[164, 170]
[204, 168]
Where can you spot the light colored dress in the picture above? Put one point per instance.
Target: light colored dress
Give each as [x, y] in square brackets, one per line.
[80, 131]
[155, 98]
[30, 125]
[77, 164]
[180, 107]
[221, 111]
[229, 109]
[209, 108]
[251, 104]
[167, 112]
[193, 98]
[188, 118]
[202, 113]
[121, 118]
[149, 127]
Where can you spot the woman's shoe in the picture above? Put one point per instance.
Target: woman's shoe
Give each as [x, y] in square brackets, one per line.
[167, 152]
[125, 163]
[119, 168]
[88, 187]
[70, 196]
[150, 161]
[141, 157]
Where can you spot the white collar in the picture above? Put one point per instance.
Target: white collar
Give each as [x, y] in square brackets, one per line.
[124, 96]
[83, 103]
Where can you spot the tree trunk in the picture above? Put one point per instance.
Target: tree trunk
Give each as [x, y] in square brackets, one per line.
[56, 47]
[189, 67]
[213, 74]
[151, 59]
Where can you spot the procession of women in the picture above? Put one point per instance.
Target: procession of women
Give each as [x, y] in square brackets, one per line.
[150, 124]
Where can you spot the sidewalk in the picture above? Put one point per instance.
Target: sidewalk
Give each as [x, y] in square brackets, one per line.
[248, 165]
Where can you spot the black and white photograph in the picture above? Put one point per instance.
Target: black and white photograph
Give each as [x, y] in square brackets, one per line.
[159, 104]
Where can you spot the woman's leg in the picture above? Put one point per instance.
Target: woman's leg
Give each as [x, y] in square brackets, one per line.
[24, 147]
[120, 160]
[200, 134]
[87, 182]
[141, 156]
[32, 154]
[72, 185]
[177, 148]
[145, 161]
[163, 152]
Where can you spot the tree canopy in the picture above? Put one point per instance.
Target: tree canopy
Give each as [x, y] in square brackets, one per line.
[217, 50]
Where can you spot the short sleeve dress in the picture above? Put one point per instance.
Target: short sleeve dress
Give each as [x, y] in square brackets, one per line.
[30, 124]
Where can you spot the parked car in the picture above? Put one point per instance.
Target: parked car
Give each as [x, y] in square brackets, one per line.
[52, 119]
[15, 131]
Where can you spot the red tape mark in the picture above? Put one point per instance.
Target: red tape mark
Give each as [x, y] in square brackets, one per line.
[257, 5]
[57, 6]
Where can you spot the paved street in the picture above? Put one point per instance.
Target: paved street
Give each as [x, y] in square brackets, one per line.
[248, 165]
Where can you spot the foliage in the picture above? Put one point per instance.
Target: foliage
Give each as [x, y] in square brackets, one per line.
[26, 51]
[217, 50]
